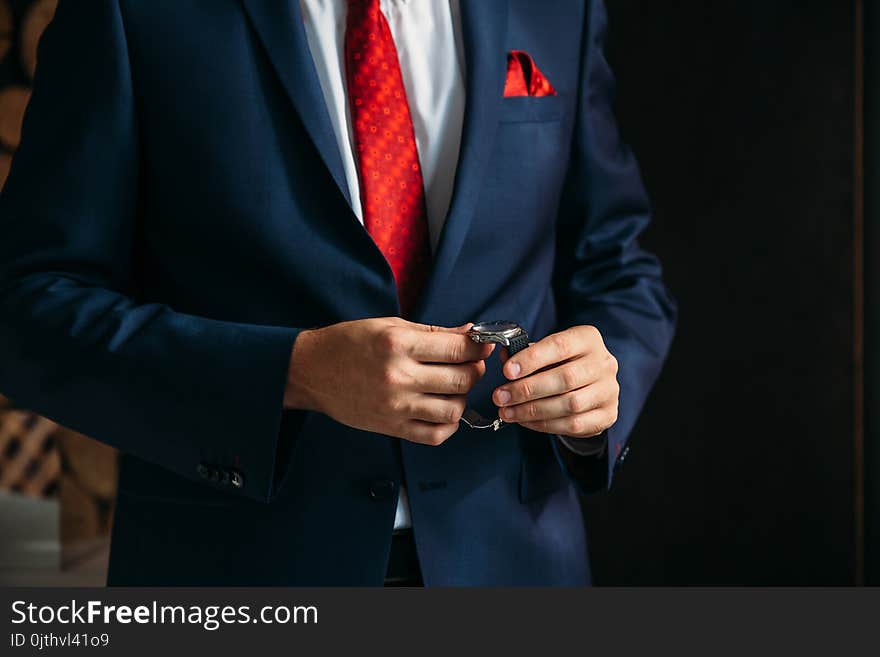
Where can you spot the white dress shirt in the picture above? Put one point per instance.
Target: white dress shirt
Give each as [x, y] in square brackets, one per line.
[427, 35]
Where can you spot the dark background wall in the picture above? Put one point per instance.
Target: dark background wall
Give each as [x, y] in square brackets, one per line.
[872, 290]
[742, 468]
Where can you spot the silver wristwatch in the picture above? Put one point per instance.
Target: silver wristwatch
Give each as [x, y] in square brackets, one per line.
[508, 334]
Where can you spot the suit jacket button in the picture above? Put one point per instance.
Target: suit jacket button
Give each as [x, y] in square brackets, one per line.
[236, 479]
[382, 489]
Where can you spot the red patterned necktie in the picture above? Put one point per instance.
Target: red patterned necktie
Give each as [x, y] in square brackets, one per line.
[391, 186]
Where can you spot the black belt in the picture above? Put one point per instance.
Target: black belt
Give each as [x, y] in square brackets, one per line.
[403, 562]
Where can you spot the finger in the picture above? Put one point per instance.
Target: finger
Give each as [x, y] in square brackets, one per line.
[464, 328]
[431, 328]
[585, 425]
[560, 406]
[439, 409]
[447, 347]
[448, 379]
[426, 433]
[555, 348]
[554, 381]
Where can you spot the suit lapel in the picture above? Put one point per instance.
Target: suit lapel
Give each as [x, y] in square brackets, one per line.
[484, 32]
[280, 26]
[281, 29]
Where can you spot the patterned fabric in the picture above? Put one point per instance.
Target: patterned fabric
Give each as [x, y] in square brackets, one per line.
[524, 78]
[392, 189]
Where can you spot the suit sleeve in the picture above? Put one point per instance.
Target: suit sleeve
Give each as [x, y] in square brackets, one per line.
[603, 277]
[75, 343]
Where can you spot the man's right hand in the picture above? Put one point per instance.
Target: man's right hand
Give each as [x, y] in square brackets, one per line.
[387, 375]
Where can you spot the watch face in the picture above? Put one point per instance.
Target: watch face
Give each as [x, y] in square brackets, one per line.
[504, 328]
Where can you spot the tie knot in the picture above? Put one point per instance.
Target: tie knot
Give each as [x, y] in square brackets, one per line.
[364, 5]
[363, 15]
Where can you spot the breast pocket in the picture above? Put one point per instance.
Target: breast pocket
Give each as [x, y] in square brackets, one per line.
[532, 109]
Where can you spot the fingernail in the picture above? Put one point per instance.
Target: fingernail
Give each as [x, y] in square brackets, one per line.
[514, 369]
[505, 413]
[503, 397]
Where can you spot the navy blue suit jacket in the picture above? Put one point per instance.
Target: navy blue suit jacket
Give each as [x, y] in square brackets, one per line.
[177, 213]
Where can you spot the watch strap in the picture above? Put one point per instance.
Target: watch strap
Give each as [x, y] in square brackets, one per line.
[518, 343]
[476, 421]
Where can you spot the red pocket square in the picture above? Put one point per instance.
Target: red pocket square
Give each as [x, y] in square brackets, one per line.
[524, 78]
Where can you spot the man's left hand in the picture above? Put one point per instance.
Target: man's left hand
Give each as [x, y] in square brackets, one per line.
[564, 384]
